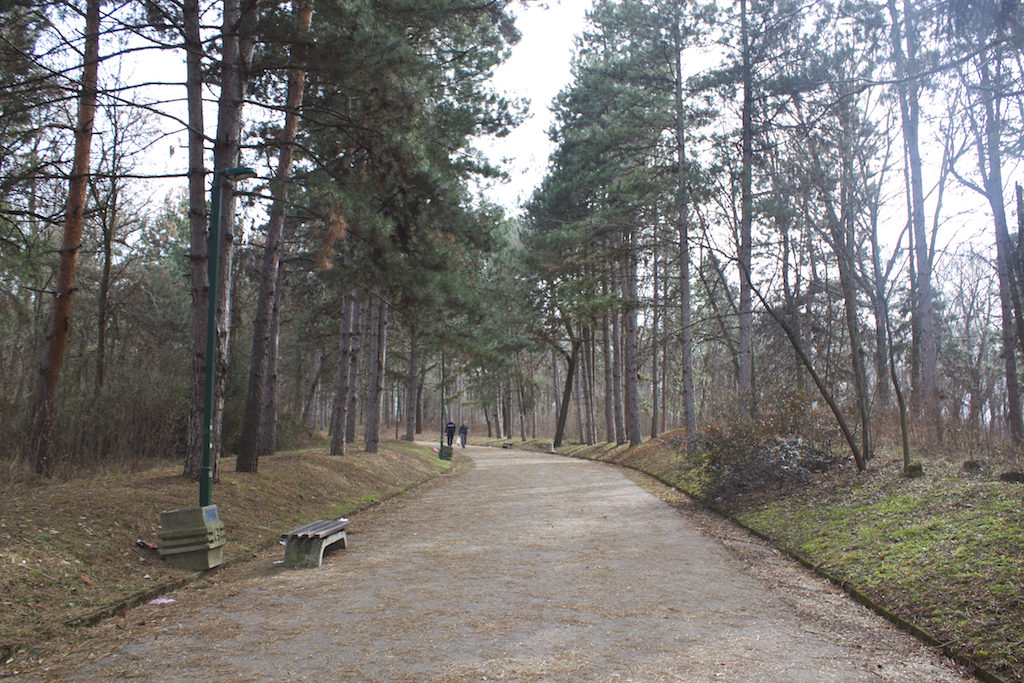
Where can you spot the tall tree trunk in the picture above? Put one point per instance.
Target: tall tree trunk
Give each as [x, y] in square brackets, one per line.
[498, 431]
[419, 406]
[609, 381]
[746, 348]
[908, 88]
[791, 307]
[252, 421]
[844, 247]
[655, 321]
[589, 386]
[236, 57]
[683, 214]
[900, 403]
[411, 384]
[268, 435]
[309, 403]
[845, 240]
[358, 350]
[990, 150]
[879, 304]
[581, 371]
[556, 386]
[563, 406]
[630, 368]
[197, 232]
[74, 207]
[370, 356]
[342, 385]
[620, 428]
[103, 303]
[375, 376]
[665, 297]
[522, 402]
[506, 407]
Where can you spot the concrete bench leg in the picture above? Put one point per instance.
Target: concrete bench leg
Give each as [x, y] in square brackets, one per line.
[309, 552]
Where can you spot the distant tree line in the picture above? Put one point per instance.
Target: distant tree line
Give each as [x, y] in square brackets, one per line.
[363, 234]
[783, 218]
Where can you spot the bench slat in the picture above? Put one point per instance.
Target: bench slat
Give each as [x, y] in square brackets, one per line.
[305, 545]
[318, 529]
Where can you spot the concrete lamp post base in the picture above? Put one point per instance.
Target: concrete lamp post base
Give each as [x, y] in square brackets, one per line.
[192, 538]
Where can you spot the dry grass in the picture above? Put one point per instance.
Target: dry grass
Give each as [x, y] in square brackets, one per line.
[67, 549]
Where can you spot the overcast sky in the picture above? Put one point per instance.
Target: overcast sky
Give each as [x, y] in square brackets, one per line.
[537, 69]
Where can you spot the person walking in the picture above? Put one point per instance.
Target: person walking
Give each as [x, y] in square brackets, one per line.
[463, 434]
[449, 430]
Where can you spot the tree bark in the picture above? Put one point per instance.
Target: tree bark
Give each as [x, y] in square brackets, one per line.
[620, 429]
[375, 375]
[268, 435]
[359, 326]
[589, 384]
[581, 371]
[563, 407]
[253, 423]
[506, 406]
[609, 382]
[878, 300]
[844, 244]
[197, 231]
[309, 403]
[74, 207]
[412, 382]
[990, 149]
[908, 90]
[631, 370]
[655, 321]
[682, 212]
[342, 385]
[236, 57]
[746, 349]
[109, 222]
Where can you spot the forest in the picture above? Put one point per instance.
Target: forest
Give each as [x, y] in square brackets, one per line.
[796, 221]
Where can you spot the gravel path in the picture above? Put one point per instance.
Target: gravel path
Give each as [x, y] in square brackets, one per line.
[525, 567]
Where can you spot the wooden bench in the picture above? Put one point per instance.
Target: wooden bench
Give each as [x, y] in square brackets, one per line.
[304, 547]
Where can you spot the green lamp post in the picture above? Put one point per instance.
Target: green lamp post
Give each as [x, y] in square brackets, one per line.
[206, 471]
[193, 537]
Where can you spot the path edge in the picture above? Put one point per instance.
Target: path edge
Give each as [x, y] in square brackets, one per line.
[135, 599]
[899, 622]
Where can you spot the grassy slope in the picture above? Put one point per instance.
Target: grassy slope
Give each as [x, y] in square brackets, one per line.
[67, 550]
[943, 552]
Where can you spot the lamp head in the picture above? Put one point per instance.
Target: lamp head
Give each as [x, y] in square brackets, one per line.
[239, 173]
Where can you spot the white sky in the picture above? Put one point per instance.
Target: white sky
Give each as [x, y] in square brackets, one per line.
[538, 68]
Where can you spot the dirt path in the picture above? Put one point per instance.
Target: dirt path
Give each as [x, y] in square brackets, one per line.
[526, 567]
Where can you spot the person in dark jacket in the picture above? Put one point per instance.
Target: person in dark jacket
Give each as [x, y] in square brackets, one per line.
[449, 430]
[463, 434]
